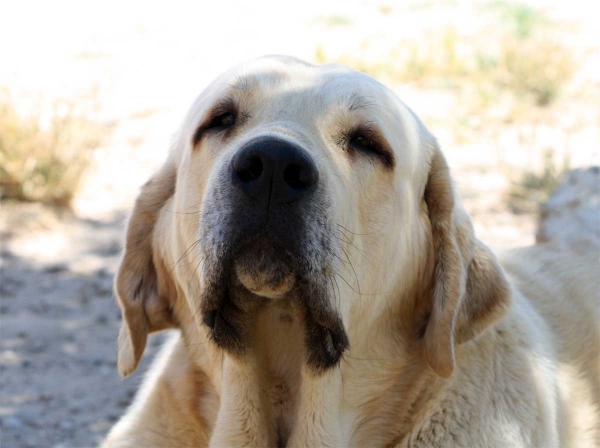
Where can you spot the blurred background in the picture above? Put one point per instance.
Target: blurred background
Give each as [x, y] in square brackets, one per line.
[91, 92]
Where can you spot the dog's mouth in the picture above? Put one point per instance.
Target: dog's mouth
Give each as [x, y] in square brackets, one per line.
[265, 270]
[237, 287]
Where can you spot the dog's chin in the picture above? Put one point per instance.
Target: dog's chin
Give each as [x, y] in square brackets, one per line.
[257, 278]
[266, 274]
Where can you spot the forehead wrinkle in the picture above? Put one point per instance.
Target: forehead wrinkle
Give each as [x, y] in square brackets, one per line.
[353, 91]
[358, 102]
[267, 77]
[242, 83]
[368, 103]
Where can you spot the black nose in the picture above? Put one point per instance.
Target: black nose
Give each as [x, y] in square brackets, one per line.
[274, 171]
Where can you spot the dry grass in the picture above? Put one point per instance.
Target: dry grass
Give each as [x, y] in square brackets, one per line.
[529, 189]
[44, 156]
[334, 20]
[536, 67]
[518, 58]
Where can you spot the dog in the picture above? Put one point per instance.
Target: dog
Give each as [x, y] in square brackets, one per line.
[306, 242]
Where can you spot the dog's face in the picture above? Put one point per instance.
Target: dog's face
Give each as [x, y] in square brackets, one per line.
[290, 167]
[298, 183]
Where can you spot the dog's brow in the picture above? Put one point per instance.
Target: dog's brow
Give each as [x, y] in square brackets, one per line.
[241, 83]
[358, 102]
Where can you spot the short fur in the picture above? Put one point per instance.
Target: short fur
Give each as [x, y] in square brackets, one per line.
[449, 346]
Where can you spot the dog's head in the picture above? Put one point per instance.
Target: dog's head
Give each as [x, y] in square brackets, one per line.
[314, 185]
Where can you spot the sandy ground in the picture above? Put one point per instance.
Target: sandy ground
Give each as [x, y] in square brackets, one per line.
[60, 386]
[144, 64]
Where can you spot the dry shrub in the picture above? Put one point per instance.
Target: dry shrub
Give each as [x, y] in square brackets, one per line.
[531, 188]
[44, 156]
[436, 58]
[519, 58]
[536, 67]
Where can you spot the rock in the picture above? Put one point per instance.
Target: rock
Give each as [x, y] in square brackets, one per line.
[571, 218]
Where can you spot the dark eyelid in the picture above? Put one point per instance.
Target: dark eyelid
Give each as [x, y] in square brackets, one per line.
[380, 149]
[227, 105]
[222, 107]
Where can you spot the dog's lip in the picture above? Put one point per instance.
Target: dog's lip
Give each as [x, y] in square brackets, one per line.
[221, 329]
[269, 293]
[326, 343]
[261, 286]
[233, 300]
[276, 292]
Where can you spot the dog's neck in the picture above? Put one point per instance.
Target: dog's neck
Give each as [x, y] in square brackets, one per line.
[383, 369]
[379, 373]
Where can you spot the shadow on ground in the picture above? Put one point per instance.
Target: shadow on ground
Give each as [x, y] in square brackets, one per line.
[59, 323]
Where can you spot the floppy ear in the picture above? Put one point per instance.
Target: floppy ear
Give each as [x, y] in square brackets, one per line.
[143, 287]
[469, 290]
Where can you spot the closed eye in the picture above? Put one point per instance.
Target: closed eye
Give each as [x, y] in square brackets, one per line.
[222, 121]
[369, 142]
[224, 117]
[365, 143]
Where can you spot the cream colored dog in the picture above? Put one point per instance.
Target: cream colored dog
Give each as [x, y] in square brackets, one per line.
[306, 239]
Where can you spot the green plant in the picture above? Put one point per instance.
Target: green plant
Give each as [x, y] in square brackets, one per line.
[521, 18]
[336, 20]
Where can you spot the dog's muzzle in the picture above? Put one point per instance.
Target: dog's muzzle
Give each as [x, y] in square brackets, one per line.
[269, 242]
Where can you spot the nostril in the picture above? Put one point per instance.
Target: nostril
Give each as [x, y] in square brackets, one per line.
[291, 176]
[299, 176]
[273, 170]
[251, 169]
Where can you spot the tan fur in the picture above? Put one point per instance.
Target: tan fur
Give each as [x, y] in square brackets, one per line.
[449, 346]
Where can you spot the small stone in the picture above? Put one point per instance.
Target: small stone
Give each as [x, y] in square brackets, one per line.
[46, 397]
[12, 421]
[96, 360]
[37, 347]
[66, 425]
[55, 268]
